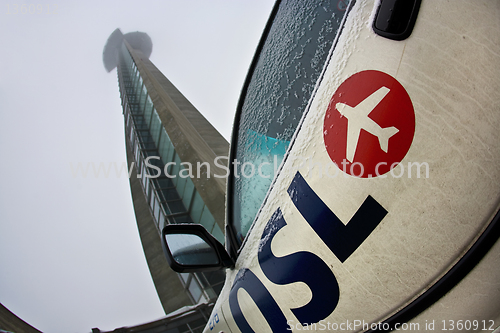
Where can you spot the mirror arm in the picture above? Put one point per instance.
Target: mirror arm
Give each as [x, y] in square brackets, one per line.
[225, 258]
[231, 243]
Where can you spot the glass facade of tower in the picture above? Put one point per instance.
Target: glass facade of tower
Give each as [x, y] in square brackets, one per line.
[169, 191]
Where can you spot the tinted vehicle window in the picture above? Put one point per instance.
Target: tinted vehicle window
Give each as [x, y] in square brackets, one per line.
[281, 83]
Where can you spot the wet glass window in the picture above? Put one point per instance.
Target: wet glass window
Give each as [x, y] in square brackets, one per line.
[282, 82]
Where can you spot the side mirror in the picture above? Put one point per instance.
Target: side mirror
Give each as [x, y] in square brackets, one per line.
[191, 248]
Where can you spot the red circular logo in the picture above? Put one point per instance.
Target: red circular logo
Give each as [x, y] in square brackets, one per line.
[369, 124]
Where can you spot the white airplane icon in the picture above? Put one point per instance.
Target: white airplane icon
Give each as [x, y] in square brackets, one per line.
[358, 119]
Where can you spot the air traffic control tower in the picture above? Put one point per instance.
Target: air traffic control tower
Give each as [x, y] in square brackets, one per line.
[162, 128]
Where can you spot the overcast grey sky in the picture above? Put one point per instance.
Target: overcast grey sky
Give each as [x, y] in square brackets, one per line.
[70, 254]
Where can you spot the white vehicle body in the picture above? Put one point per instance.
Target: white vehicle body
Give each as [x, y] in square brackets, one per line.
[337, 247]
